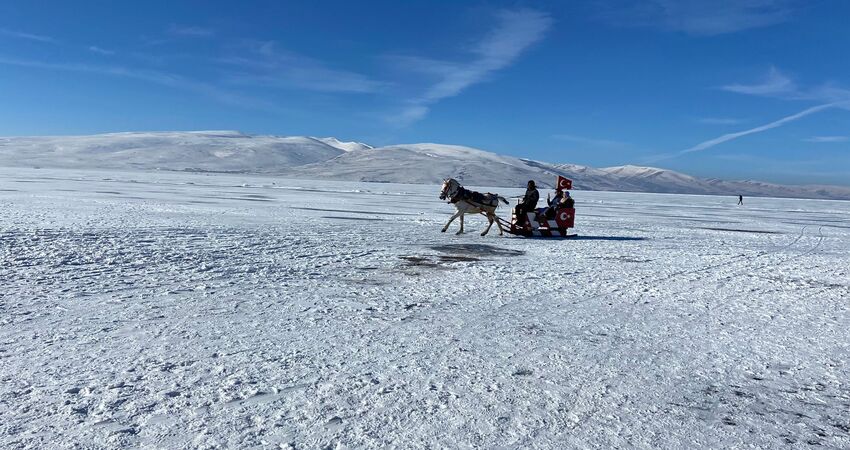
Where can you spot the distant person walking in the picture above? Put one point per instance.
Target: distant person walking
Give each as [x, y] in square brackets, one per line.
[740, 199]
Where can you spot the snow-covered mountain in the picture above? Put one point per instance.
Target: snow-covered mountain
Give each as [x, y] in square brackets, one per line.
[425, 163]
[330, 158]
[346, 146]
[219, 151]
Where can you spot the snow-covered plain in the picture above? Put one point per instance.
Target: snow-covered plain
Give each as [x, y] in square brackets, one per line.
[174, 310]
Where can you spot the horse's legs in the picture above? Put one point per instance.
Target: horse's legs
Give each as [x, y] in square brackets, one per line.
[454, 216]
[489, 224]
[461, 225]
[499, 225]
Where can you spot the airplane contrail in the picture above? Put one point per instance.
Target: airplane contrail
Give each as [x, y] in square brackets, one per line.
[774, 124]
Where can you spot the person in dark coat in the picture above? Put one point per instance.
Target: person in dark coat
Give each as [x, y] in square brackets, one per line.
[528, 203]
[554, 203]
[567, 201]
[740, 199]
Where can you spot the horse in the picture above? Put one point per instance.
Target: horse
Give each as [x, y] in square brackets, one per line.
[470, 202]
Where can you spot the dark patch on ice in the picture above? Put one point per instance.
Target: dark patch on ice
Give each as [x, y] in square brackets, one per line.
[845, 427]
[743, 394]
[608, 238]
[9, 190]
[477, 250]
[109, 192]
[420, 261]
[837, 226]
[740, 230]
[435, 262]
[249, 199]
[255, 196]
[457, 258]
[522, 372]
[354, 211]
[351, 218]
[624, 258]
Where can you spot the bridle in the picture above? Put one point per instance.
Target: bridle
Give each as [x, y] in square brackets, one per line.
[449, 189]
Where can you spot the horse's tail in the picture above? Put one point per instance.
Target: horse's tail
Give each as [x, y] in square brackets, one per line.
[503, 199]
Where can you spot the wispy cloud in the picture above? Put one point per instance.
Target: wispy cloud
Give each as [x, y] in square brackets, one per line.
[268, 65]
[827, 139]
[775, 124]
[101, 51]
[156, 77]
[698, 17]
[514, 32]
[720, 121]
[590, 141]
[27, 36]
[775, 83]
[778, 85]
[190, 31]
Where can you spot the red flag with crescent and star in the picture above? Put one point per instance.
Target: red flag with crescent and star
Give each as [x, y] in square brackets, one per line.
[564, 183]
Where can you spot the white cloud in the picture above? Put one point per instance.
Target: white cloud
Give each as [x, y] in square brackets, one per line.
[156, 77]
[101, 51]
[27, 36]
[590, 141]
[190, 31]
[514, 32]
[774, 84]
[267, 65]
[777, 85]
[698, 17]
[827, 139]
[720, 121]
[409, 115]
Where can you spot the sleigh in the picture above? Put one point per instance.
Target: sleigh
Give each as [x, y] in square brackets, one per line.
[541, 224]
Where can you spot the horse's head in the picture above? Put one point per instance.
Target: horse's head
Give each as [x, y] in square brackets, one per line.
[450, 186]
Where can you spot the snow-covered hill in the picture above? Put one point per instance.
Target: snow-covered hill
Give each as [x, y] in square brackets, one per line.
[347, 146]
[330, 158]
[425, 163]
[218, 151]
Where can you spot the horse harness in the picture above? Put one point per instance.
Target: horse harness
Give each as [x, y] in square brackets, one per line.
[473, 197]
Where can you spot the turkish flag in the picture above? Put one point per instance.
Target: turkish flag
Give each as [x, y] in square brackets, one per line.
[564, 183]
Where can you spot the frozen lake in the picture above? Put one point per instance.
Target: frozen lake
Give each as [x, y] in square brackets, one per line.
[177, 310]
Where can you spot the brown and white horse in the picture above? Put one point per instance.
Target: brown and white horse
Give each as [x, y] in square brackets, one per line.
[470, 202]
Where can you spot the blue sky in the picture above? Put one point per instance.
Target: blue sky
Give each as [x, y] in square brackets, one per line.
[731, 89]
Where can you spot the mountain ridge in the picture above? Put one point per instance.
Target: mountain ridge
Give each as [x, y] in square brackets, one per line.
[330, 158]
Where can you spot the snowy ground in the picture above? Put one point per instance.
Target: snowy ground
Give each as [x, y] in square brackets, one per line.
[191, 310]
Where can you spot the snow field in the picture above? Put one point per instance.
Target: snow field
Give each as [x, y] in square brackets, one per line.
[195, 310]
